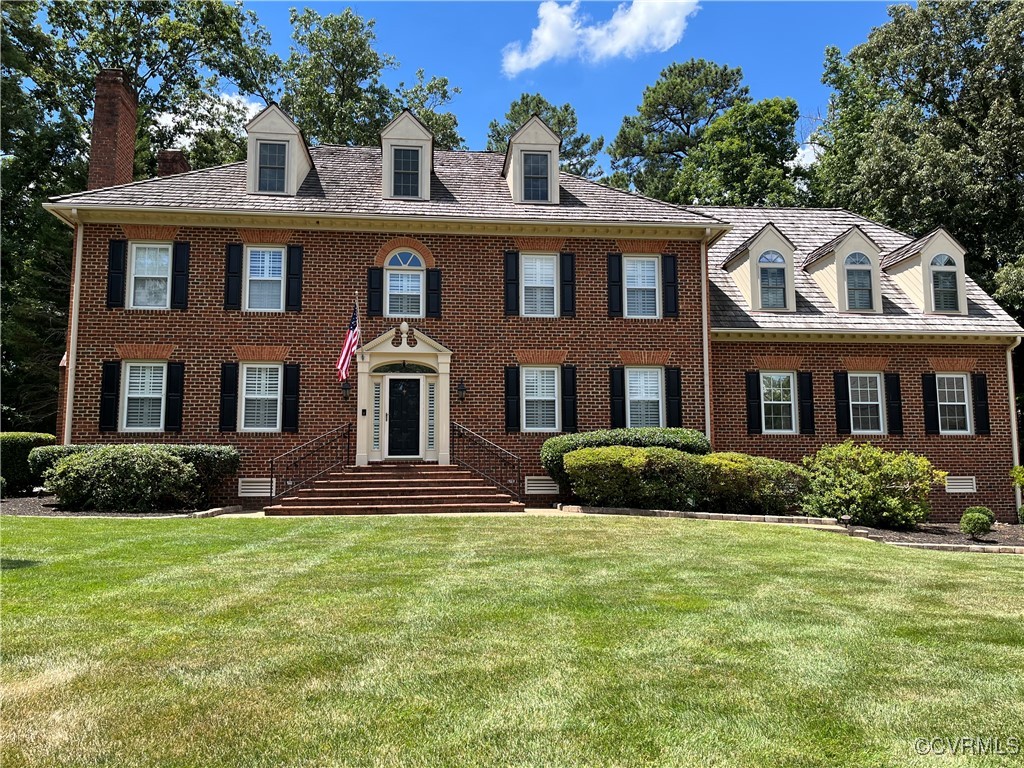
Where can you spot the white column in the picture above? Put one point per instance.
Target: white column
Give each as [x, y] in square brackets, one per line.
[444, 429]
[363, 407]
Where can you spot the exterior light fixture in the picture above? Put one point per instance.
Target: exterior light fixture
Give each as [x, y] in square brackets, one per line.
[346, 389]
[461, 390]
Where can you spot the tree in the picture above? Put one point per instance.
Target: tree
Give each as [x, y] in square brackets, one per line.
[424, 98]
[579, 152]
[650, 147]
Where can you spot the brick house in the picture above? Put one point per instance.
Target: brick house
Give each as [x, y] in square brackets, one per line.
[501, 302]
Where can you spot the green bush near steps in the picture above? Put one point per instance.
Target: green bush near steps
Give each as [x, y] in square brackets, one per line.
[740, 484]
[975, 524]
[14, 451]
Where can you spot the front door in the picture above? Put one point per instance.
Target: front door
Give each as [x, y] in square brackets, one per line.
[403, 417]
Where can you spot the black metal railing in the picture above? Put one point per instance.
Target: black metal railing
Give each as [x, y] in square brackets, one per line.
[305, 463]
[477, 453]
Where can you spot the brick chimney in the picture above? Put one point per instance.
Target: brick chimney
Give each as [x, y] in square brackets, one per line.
[170, 162]
[112, 156]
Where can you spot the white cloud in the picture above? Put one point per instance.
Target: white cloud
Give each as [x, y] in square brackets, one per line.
[226, 109]
[807, 155]
[562, 32]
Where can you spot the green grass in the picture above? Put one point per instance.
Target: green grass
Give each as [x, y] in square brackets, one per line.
[498, 641]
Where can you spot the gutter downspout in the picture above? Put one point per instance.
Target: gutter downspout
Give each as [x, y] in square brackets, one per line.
[706, 324]
[69, 395]
[1013, 409]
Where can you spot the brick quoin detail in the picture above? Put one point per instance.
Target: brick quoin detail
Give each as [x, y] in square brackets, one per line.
[144, 351]
[149, 231]
[258, 354]
[953, 364]
[264, 236]
[641, 246]
[412, 243]
[539, 243]
[645, 357]
[777, 362]
[865, 363]
[541, 356]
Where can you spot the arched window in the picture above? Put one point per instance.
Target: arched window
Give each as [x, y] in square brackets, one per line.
[945, 294]
[858, 282]
[403, 276]
[772, 277]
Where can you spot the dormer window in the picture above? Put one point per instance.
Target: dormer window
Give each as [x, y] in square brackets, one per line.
[535, 177]
[945, 295]
[407, 158]
[772, 279]
[272, 166]
[406, 172]
[277, 158]
[859, 293]
[531, 163]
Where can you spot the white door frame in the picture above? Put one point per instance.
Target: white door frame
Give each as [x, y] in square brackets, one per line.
[421, 439]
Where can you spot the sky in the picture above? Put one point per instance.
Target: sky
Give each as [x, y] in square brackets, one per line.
[599, 56]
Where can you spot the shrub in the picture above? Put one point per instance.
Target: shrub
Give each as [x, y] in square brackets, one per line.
[14, 450]
[124, 478]
[645, 478]
[555, 448]
[1017, 475]
[875, 487]
[974, 524]
[738, 484]
[3, 487]
[46, 456]
[982, 511]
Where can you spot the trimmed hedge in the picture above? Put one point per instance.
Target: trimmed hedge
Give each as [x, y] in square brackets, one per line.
[14, 450]
[553, 451]
[975, 524]
[645, 478]
[875, 487]
[124, 478]
[46, 457]
[982, 511]
[739, 484]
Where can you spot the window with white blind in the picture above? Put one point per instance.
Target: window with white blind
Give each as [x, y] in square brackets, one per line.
[261, 397]
[264, 285]
[644, 404]
[954, 415]
[145, 385]
[641, 286]
[539, 288]
[866, 403]
[404, 284]
[540, 399]
[150, 285]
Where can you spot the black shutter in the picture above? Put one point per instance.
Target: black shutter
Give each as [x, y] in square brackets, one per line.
[979, 391]
[293, 288]
[433, 293]
[110, 395]
[567, 280]
[615, 285]
[673, 397]
[511, 282]
[175, 395]
[117, 268]
[290, 405]
[753, 403]
[842, 381]
[805, 396]
[930, 395]
[512, 398]
[233, 276]
[228, 397]
[179, 277]
[617, 396]
[375, 292]
[569, 398]
[669, 285]
[893, 404]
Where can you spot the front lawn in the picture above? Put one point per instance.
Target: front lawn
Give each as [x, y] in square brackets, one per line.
[498, 641]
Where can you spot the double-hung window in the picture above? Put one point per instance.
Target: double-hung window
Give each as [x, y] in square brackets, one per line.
[144, 391]
[265, 279]
[261, 397]
[866, 403]
[271, 171]
[772, 279]
[953, 399]
[644, 403]
[404, 284]
[406, 171]
[536, 177]
[778, 402]
[945, 296]
[641, 286]
[540, 399]
[858, 283]
[150, 285]
[539, 289]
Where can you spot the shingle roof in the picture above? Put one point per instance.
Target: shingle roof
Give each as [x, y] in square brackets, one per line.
[831, 245]
[347, 181]
[746, 243]
[809, 229]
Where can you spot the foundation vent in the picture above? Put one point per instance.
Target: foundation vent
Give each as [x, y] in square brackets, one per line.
[255, 486]
[537, 485]
[964, 484]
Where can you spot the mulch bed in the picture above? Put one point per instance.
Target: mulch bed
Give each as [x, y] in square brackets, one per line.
[45, 505]
[949, 533]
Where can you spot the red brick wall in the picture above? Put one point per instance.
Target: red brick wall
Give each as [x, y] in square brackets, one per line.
[988, 458]
[112, 152]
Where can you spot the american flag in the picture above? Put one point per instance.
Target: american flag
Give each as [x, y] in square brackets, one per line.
[348, 349]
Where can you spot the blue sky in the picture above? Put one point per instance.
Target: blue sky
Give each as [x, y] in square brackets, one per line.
[599, 56]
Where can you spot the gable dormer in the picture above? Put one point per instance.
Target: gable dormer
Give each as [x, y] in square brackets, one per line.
[847, 270]
[762, 268]
[407, 158]
[930, 270]
[531, 163]
[278, 159]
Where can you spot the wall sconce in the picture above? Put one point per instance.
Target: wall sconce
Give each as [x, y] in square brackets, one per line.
[346, 389]
[461, 390]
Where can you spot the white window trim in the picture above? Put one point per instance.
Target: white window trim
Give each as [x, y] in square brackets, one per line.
[522, 176]
[123, 419]
[955, 270]
[557, 398]
[881, 403]
[968, 404]
[422, 272]
[131, 273]
[245, 272]
[661, 391]
[287, 163]
[523, 286]
[657, 287]
[241, 396]
[419, 172]
[794, 398]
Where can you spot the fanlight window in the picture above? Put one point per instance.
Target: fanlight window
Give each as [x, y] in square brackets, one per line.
[404, 281]
[858, 282]
[945, 293]
[773, 280]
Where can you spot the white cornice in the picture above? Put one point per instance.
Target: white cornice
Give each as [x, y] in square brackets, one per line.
[865, 337]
